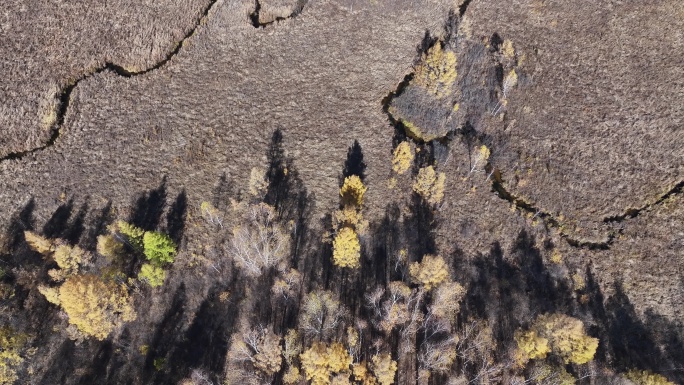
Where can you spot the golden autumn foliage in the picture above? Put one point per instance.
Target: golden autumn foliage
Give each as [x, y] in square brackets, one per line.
[530, 346]
[320, 362]
[543, 373]
[429, 184]
[644, 377]
[507, 49]
[446, 299]
[352, 191]
[350, 217]
[436, 71]
[403, 157]
[38, 243]
[347, 249]
[292, 376]
[362, 375]
[94, 306]
[269, 357]
[559, 334]
[109, 247]
[430, 272]
[69, 258]
[510, 81]
[134, 235]
[257, 182]
[10, 345]
[384, 368]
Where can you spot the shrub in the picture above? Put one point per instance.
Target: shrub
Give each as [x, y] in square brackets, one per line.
[258, 184]
[69, 258]
[346, 249]
[152, 275]
[430, 272]
[429, 184]
[352, 191]
[403, 157]
[109, 247]
[158, 247]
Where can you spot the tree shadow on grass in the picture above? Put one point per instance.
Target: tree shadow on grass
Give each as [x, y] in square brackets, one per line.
[97, 226]
[175, 218]
[61, 369]
[626, 341]
[511, 292]
[149, 207]
[354, 165]
[206, 341]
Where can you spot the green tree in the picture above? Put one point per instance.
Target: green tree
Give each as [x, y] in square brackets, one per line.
[158, 247]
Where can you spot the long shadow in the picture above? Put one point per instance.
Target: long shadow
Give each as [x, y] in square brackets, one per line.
[626, 341]
[66, 225]
[98, 371]
[98, 225]
[511, 292]
[206, 342]
[62, 368]
[354, 165]
[149, 207]
[285, 188]
[167, 335]
[175, 218]
[287, 193]
[420, 227]
[15, 249]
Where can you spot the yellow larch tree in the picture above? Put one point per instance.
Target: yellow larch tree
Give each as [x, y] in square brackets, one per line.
[436, 71]
[430, 272]
[347, 248]
[94, 306]
[384, 368]
[352, 191]
[429, 184]
[403, 157]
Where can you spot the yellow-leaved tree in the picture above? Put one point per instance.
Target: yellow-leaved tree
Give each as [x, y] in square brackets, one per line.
[11, 344]
[384, 368]
[430, 272]
[95, 306]
[320, 362]
[403, 157]
[645, 377]
[352, 191]
[429, 184]
[559, 334]
[347, 248]
[436, 71]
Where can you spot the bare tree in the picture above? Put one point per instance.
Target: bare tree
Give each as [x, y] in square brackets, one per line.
[260, 242]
